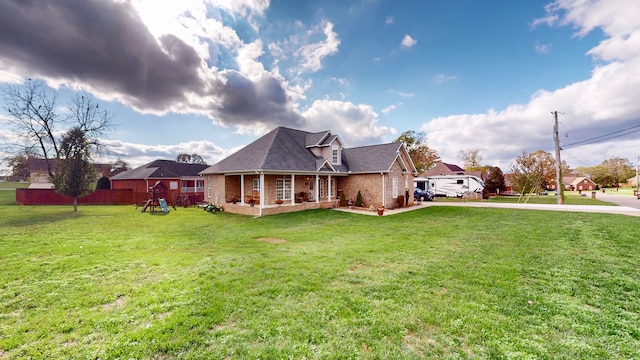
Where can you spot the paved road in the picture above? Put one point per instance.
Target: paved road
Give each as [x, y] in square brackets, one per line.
[619, 199]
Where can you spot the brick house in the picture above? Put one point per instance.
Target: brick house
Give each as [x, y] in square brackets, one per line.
[575, 183]
[183, 183]
[291, 170]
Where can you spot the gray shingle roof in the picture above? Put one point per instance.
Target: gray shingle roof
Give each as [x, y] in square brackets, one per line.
[374, 158]
[161, 169]
[285, 149]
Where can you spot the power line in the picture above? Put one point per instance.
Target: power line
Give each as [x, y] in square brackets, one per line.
[601, 138]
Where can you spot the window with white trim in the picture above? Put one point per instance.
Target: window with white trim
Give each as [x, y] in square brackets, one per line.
[332, 188]
[321, 188]
[283, 189]
[256, 184]
[394, 189]
[335, 154]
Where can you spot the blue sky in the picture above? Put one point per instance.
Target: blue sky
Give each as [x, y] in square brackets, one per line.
[209, 77]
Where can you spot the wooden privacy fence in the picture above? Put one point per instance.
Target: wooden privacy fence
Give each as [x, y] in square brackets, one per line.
[98, 197]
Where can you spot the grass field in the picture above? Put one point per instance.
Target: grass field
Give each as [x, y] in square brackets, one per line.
[442, 282]
[13, 185]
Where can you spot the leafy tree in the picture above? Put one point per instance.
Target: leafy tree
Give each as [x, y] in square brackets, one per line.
[190, 159]
[422, 156]
[119, 166]
[609, 173]
[495, 181]
[75, 174]
[532, 172]
[18, 165]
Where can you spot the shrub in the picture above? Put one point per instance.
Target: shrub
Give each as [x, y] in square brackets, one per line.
[359, 199]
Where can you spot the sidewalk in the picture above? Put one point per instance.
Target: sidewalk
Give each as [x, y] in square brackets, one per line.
[619, 210]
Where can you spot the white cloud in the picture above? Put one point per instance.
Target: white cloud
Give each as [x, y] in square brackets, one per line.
[389, 108]
[140, 154]
[602, 104]
[311, 55]
[442, 78]
[408, 41]
[542, 48]
[389, 20]
[402, 93]
[357, 124]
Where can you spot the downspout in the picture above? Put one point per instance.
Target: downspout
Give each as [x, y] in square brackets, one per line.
[384, 190]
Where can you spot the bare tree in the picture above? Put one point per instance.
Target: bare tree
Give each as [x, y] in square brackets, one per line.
[86, 115]
[32, 114]
[31, 110]
[471, 159]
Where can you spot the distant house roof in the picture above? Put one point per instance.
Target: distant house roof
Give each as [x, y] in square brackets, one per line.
[289, 150]
[442, 168]
[37, 164]
[159, 169]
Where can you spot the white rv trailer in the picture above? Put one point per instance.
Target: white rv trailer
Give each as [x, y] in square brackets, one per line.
[450, 185]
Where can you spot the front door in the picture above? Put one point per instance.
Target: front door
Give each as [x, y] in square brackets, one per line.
[312, 191]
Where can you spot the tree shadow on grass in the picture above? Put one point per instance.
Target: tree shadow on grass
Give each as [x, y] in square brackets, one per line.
[45, 217]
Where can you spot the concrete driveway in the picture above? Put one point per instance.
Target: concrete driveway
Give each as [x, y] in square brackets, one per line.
[619, 210]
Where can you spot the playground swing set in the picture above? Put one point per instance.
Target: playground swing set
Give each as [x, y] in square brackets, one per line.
[157, 199]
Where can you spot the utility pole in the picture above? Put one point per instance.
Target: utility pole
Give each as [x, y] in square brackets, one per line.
[637, 164]
[559, 184]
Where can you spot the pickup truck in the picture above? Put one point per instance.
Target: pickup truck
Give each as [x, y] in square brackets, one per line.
[422, 195]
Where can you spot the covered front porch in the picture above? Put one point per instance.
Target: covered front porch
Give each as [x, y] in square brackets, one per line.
[269, 193]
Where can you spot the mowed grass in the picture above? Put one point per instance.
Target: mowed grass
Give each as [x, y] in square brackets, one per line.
[443, 282]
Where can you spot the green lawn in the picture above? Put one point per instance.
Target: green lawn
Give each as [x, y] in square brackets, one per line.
[13, 185]
[442, 282]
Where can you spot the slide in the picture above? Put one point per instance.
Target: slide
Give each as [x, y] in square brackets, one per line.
[163, 205]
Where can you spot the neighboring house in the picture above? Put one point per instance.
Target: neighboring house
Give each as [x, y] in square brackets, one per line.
[37, 169]
[39, 173]
[183, 183]
[573, 183]
[633, 182]
[442, 168]
[305, 170]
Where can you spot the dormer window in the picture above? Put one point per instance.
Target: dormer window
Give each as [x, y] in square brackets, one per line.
[335, 154]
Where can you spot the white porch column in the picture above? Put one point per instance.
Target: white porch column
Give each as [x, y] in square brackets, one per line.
[329, 188]
[317, 188]
[261, 192]
[293, 189]
[241, 189]
[384, 190]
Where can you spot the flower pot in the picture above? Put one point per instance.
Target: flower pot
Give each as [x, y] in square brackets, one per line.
[380, 211]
